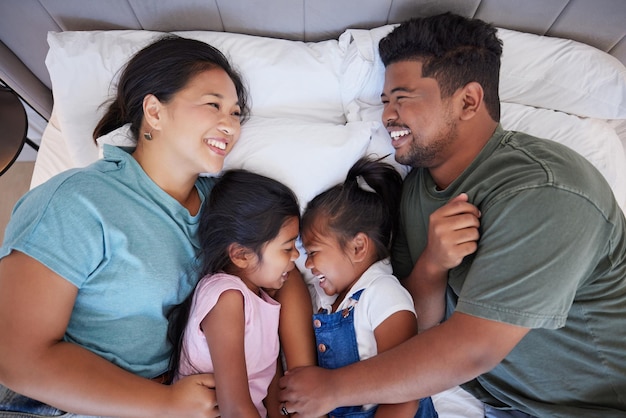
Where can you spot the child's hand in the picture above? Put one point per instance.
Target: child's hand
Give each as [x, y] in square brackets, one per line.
[452, 233]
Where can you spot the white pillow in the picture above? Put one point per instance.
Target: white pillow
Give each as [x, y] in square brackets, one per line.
[285, 78]
[290, 79]
[561, 74]
[594, 139]
[308, 157]
[83, 68]
[537, 71]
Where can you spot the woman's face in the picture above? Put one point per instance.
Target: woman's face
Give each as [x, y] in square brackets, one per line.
[201, 123]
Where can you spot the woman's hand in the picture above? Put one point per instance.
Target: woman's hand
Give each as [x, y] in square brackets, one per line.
[194, 396]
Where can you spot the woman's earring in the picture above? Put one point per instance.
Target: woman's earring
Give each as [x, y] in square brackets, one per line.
[148, 135]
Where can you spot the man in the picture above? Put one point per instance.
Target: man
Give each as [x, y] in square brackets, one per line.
[535, 319]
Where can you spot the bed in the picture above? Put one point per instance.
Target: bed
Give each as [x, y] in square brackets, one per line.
[315, 78]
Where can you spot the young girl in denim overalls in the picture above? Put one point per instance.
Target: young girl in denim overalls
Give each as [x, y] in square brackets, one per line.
[347, 233]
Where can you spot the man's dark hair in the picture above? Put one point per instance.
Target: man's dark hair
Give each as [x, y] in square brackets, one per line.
[453, 50]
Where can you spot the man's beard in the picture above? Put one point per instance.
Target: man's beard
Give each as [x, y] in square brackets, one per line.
[428, 155]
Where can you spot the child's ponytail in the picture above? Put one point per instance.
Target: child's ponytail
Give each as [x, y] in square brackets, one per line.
[367, 201]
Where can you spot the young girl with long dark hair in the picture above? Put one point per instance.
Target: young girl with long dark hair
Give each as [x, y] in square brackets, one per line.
[229, 325]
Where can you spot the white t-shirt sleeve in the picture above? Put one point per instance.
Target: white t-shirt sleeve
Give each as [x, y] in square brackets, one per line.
[382, 298]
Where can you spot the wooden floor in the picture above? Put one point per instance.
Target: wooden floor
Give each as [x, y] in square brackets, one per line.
[13, 184]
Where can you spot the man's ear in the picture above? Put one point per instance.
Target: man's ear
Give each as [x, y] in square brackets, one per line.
[239, 255]
[358, 247]
[152, 111]
[472, 95]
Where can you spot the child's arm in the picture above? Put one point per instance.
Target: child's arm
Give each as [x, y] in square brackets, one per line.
[223, 328]
[452, 234]
[394, 330]
[297, 339]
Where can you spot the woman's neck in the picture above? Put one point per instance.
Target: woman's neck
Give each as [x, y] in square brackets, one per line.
[176, 183]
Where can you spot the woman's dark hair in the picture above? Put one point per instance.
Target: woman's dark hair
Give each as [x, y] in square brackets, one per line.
[163, 68]
[349, 208]
[454, 50]
[244, 208]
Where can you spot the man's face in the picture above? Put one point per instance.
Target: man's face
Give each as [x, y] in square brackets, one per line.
[419, 121]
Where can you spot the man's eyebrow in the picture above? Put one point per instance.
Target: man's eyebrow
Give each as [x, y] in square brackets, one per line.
[395, 90]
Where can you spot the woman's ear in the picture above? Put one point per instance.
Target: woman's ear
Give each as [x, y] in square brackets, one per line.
[152, 111]
[239, 255]
[359, 247]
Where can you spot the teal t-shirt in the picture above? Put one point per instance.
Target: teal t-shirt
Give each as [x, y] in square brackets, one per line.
[551, 257]
[128, 247]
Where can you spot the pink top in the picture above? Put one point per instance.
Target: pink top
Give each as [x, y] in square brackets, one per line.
[260, 340]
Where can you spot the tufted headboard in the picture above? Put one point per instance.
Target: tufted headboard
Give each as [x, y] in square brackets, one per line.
[24, 24]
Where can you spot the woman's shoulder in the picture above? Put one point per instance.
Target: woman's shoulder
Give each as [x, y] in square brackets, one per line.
[60, 186]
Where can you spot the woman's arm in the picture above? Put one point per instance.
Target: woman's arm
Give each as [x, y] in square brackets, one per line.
[394, 330]
[297, 339]
[224, 329]
[452, 234]
[35, 307]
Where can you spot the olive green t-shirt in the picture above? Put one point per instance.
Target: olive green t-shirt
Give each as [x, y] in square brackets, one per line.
[551, 257]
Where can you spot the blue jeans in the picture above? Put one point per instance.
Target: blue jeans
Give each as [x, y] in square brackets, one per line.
[14, 405]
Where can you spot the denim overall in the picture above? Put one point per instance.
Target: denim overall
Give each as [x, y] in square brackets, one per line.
[337, 347]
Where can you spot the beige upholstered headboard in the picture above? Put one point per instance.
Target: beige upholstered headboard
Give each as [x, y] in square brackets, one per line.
[25, 23]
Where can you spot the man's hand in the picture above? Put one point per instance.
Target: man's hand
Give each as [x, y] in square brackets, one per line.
[452, 233]
[307, 391]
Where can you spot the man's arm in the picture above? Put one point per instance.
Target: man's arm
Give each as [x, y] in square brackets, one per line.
[460, 349]
[452, 234]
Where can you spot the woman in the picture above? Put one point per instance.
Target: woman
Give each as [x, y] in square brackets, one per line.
[95, 258]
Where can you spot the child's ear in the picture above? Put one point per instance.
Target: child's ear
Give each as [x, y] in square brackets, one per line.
[239, 255]
[359, 247]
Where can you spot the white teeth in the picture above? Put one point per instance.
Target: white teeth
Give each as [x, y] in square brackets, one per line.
[320, 277]
[216, 144]
[397, 134]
